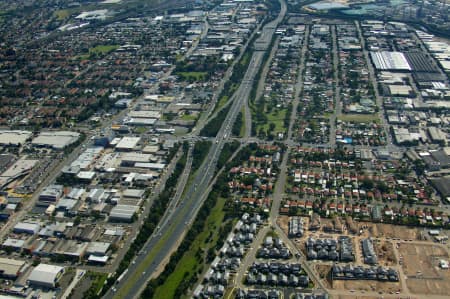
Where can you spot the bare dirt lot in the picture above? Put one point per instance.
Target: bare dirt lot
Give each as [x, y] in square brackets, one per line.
[385, 252]
[366, 285]
[421, 266]
[392, 231]
[283, 222]
[323, 271]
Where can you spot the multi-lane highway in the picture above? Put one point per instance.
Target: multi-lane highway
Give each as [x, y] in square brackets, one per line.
[172, 229]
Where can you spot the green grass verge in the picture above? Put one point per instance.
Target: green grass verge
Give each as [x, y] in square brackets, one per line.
[360, 118]
[193, 76]
[190, 263]
[122, 292]
[98, 281]
[276, 117]
[188, 117]
[62, 14]
[141, 130]
[243, 128]
[97, 51]
[222, 101]
[103, 49]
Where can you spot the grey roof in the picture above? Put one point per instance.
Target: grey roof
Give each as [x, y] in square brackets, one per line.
[125, 212]
[45, 274]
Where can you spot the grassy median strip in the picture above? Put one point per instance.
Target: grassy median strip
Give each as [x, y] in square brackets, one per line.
[193, 261]
[202, 242]
[157, 210]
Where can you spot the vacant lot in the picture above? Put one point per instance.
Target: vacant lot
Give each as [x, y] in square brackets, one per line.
[421, 266]
[366, 285]
[385, 252]
[392, 231]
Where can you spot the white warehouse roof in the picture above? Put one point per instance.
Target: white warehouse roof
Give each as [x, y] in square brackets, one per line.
[14, 137]
[385, 60]
[128, 142]
[56, 139]
[45, 274]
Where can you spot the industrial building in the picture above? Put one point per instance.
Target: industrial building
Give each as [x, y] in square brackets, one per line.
[27, 228]
[11, 268]
[45, 275]
[127, 143]
[393, 61]
[123, 213]
[14, 138]
[12, 243]
[51, 193]
[56, 139]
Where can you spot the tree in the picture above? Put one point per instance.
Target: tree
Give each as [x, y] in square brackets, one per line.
[367, 184]
[271, 127]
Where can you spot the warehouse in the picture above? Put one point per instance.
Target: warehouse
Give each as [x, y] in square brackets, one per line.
[56, 139]
[139, 121]
[98, 248]
[11, 268]
[401, 90]
[51, 193]
[442, 185]
[46, 275]
[27, 228]
[134, 193]
[129, 159]
[145, 114]
[152, 166]
[87, 158]
[394, 61]
[436, 134]
[15, 138]
[123, 213]
[13, 243]
[420, 62]
[128, 143]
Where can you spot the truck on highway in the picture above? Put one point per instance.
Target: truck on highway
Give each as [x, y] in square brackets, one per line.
[122, 276]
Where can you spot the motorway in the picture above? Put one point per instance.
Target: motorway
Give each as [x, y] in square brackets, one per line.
[157, 250]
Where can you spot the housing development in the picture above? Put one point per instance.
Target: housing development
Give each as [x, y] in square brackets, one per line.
[224, 149]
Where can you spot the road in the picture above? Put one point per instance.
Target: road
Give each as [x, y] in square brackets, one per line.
[298, 86]
[78, 275]
[373, 79]
[259, 90]
[279, 192]
[210, 113]
[158, 249]
[337, 88]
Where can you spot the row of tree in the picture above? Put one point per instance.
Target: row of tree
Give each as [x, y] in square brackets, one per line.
[151, 221]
